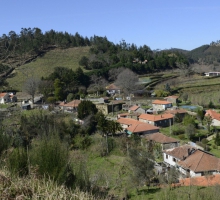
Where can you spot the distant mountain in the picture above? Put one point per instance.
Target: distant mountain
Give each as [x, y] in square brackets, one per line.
[205, 54]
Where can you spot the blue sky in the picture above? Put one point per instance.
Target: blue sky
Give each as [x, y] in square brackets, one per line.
[160, 24]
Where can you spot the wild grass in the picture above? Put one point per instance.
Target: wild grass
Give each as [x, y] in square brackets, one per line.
[31, 187]
[44, 66]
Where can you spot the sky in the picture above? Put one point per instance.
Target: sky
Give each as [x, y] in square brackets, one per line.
[159, 24]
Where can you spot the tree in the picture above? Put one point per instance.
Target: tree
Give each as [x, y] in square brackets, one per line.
[86, 108]
[45, 87]
[31, 86]
[217, 139]
[185, 96]
[141, 166]
[190, 131]
[185, 69]
[84, 61]
[58, 90]
[127, 81]
[98, 84]
[208, 121]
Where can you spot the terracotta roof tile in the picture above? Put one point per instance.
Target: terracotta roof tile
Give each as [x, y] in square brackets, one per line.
[161, 138]
[133, 108]
[156, 117]
[112, 87]
[161, 102]
[180, 152]
[2, 94]
[201, 161]
[141, 127]
[211, 180]
[176, 111]
[213, 114]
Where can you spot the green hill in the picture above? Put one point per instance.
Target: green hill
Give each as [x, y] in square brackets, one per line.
[206, 54]
[44, 65]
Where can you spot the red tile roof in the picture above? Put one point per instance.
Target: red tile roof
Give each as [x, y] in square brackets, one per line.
[213, 114]
[73, 103]
[136, 126]
[112, 87]
[161, 138]
[201, 161]
[156, 117]
[2, 94]
[180, 152]
[141, 127]
[161, 102]
[133, 108]
[211, 180]
[181, 111]
[127, 121]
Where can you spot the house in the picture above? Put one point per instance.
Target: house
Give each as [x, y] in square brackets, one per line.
[132, 126]
[136, 109]
[4, 98]
[215, 117]
[112, 89]
[165, 141]
[159, 105]
[162, 120]
[177, 112]
[71, 106]
[199, 163]
[172, 99]
[129, 115]
[139, 128]
[126, 122]
[106, 108]
[212, 73]
[174, 155]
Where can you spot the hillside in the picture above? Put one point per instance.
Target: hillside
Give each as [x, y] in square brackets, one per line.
[43, 66]
[205, 54]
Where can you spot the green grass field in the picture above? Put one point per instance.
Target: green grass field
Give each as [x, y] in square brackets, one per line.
[44, 66]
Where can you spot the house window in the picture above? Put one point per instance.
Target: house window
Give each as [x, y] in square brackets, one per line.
[166, 156]
[174, 159]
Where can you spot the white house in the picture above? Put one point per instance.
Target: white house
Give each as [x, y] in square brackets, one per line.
[4, 98]
[215, 117]
[212, 73]
[199, 163]
[159, 105]
[112, 89]
[174, 155]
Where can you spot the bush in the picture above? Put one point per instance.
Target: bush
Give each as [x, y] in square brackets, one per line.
[181, 136]
[50, 156]
[204, 141]
[17, 162]
[5, 142]
[177, 130]
[81, 142]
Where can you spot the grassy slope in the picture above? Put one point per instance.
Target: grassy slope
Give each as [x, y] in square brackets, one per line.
[45, 65]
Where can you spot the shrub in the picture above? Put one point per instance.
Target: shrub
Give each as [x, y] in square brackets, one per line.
[51, 157]
[177, 130]
[5, 142]
[81, 142]
[204, 141]
[17, 162]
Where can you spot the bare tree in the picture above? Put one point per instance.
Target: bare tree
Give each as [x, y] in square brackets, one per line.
[113, 73]
[31, 86]
[98, 84]
[128, 81]
[185, 70]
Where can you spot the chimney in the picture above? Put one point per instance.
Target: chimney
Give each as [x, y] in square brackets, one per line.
[189, 151]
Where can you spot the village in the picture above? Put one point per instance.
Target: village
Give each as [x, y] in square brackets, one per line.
[191, 159]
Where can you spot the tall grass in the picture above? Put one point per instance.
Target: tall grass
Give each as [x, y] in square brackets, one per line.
[50, 157]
